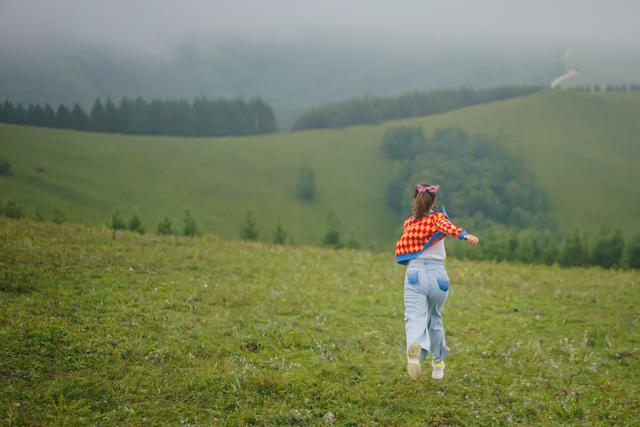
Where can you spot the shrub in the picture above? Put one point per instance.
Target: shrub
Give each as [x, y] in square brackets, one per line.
[12, 210]
[117, 221]
[279, 235]
[135, 224]
[58, 216]
[5, 167]
[190, 227]
[306, 184]
[352, 243]
[38, 215]
[332, 237]
[248, 229]
[165, 227]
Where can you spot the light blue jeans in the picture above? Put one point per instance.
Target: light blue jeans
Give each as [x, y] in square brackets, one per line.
[426, 286]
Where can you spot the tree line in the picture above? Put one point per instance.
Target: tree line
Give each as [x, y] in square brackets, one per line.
[605, 248]
[370, 109]
[610, 87]
[202, 117]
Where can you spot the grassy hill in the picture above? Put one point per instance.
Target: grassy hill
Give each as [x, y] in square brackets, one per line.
[582, 147]
[145, 330]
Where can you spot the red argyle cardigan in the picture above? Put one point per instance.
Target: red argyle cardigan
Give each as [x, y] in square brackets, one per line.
[419, 234]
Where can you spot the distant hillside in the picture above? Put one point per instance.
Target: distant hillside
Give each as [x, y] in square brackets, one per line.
[375, 109]
[291, 77]
[581, 147]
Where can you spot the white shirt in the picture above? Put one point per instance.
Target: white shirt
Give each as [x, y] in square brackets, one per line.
[435, 251]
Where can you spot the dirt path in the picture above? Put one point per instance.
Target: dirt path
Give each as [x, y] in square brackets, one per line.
[570, 72]
[563, 77]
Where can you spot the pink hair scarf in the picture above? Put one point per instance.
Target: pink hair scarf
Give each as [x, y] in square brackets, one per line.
[433, 189]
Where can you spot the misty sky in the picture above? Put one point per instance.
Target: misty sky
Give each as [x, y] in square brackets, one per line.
[158, 26]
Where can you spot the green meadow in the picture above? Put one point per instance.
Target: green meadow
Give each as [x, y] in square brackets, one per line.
[581, 147]
[154, 330]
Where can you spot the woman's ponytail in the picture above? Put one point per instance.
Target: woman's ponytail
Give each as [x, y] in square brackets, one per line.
[422, 204]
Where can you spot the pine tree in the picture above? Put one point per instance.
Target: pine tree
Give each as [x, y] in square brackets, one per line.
[279, 235]
[7, 112]
[135, 224]
[98, 116]
[306, 184]
[49, 116]
[117, 223]
[138, 120]
[29, 115]
[632, 252]
[190, 226]
[549, 248]
[264, 120]
[79, 119]
[529, 247]
[332, 236]
[63, 117]
[5, 167]
[165, 227]
[608, 249]
[36, 115]
[248, 230]
[20, 115]
[111, 117]
[574, 252]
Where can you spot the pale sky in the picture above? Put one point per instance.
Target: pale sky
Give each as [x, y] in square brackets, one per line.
[157, 26]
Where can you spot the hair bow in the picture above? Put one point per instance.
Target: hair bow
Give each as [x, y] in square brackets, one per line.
[433, 189]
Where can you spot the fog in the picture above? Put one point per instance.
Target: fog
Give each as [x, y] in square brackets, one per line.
[157, 27]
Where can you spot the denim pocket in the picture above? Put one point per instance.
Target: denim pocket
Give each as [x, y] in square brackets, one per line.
[443, 283]
[413, 277]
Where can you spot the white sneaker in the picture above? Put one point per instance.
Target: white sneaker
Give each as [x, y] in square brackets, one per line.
[414, 367]
[438, 370]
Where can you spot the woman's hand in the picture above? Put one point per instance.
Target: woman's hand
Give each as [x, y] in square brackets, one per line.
[473, 240]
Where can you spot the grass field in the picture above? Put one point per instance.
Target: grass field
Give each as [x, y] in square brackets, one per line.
[149, 330]
[583, 148]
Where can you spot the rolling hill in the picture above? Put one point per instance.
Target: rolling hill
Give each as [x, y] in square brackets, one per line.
[582, 147]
